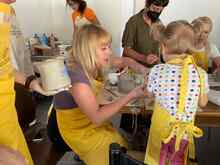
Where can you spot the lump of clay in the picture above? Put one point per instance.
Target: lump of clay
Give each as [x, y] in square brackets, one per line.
[126, 83]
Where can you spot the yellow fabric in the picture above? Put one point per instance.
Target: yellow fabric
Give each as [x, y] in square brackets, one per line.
[11, 133]
[164, 126]
[201, 60]
[89, 141]
[160, 128]
[5, 66]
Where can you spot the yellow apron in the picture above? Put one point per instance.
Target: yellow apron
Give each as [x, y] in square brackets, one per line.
[201, 60]
[89, 141]
[164, 126]
[11, 133]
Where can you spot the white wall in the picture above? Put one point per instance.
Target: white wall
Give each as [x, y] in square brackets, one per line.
[109, 14]
[34, 15]
[53, 16]
[44, 16]
[61, 20]
[189, 10]
[139, 4]
[39, 16]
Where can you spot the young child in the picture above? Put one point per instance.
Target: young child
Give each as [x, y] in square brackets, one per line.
[206, 53]
[179, 86]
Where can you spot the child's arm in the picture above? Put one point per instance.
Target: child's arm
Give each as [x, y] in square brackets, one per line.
[203, 100]
[151, 80]
[203, 97]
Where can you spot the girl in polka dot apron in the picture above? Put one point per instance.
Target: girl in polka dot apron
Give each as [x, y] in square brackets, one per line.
[179, 87]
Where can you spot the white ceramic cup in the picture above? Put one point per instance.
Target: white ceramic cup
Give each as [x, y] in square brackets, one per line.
[113, 78]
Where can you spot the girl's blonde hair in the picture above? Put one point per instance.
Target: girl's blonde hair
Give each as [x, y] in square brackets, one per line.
[178, 37]
[199, 24]
[156, 29]
[85, 43]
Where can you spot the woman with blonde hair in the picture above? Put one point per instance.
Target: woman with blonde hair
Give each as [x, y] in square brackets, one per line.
[206, 53]
[179, 87]
[82, 122]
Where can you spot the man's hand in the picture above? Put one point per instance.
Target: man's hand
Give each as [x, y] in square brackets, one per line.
[151, 59]
[216, 61]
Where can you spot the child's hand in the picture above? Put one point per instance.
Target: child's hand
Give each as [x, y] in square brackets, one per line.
[152, 59]
[139, 92]
[144, 92]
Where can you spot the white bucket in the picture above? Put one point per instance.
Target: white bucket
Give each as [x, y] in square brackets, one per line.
[54, 75]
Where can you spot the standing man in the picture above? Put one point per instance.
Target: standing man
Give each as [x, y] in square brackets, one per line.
[137, 41]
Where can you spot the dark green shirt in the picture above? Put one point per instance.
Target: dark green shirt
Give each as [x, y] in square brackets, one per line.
[137, 36]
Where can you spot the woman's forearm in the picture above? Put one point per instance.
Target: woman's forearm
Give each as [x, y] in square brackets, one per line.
[20, 77]
[107, 111]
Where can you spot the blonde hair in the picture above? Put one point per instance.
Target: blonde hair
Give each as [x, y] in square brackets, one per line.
[200, 22]
[156, 29]
[85, 43]
[198, 25]
[178, 37]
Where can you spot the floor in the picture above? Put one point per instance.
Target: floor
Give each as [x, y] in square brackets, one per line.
[43, 153]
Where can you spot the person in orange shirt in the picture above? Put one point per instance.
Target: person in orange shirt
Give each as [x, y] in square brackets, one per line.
[81, 13]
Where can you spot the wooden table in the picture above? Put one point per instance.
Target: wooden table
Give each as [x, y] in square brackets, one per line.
[209, 116]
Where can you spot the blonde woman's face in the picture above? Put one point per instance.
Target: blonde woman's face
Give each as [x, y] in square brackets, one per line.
[202, 36]
[103, 53]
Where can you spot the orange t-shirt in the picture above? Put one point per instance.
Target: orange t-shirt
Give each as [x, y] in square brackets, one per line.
[89, 14]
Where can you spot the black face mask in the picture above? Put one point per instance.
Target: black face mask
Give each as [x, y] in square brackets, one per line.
[153, 15]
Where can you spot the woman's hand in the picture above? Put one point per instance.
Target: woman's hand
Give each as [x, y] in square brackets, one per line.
[151, 59]
[139, 92]
[35, 86]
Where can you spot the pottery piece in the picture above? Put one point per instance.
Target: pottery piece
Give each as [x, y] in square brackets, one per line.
[54, 75]
[126, 83]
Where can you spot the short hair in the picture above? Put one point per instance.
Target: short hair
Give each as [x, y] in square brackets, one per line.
[162, 3]
[82, 4]
[199, 23]
[178, 37]
[85, 42]
[156, 30]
